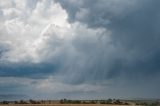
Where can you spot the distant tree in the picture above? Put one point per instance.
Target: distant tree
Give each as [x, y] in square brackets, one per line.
[126, 103]
[118, 102]
[22, 102]
[102, 102]
[155, 104]
[69, 101]
[61, 101]
[42, 101]
[93, 102]
[32, 101]
[144, 103]
[15, 102]
[109, 101]
[84, 102]
[65, 100]
[5, 102]
[77, 102]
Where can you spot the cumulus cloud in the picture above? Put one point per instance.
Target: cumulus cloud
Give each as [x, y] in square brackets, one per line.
[39, 43]
[130, 25]
[98, 13]
[23, 30]
[83, 46]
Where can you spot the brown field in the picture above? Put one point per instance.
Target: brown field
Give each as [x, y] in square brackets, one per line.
[62, 105]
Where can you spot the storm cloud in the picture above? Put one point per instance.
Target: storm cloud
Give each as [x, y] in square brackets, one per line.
[80, 49]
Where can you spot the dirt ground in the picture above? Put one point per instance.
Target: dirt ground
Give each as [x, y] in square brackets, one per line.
[62, 105]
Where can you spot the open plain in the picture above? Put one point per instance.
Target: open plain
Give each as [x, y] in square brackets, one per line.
[62, 105]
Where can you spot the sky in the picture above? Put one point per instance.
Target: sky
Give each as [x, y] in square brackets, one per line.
[79, 49]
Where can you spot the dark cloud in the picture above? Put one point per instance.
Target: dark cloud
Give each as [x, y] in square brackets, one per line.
[96, 13]
[132, 55]
[134, 30]
[124, 51]
[38, 71]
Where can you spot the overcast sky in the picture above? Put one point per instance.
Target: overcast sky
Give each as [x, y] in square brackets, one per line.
[80, 49]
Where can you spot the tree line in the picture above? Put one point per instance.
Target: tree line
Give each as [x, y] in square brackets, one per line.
[108, 101]
[67, 101]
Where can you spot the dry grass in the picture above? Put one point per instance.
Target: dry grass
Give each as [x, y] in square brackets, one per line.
[62, 105]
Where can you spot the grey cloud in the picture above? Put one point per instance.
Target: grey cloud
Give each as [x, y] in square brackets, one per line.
[98, 13]
[117, 41]
[34, 71]
[130, 58]
[134, 29]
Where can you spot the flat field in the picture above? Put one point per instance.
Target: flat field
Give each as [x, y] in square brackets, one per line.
[62, 105]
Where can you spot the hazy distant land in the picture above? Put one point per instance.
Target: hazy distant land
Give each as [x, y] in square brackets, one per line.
[66, 102]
